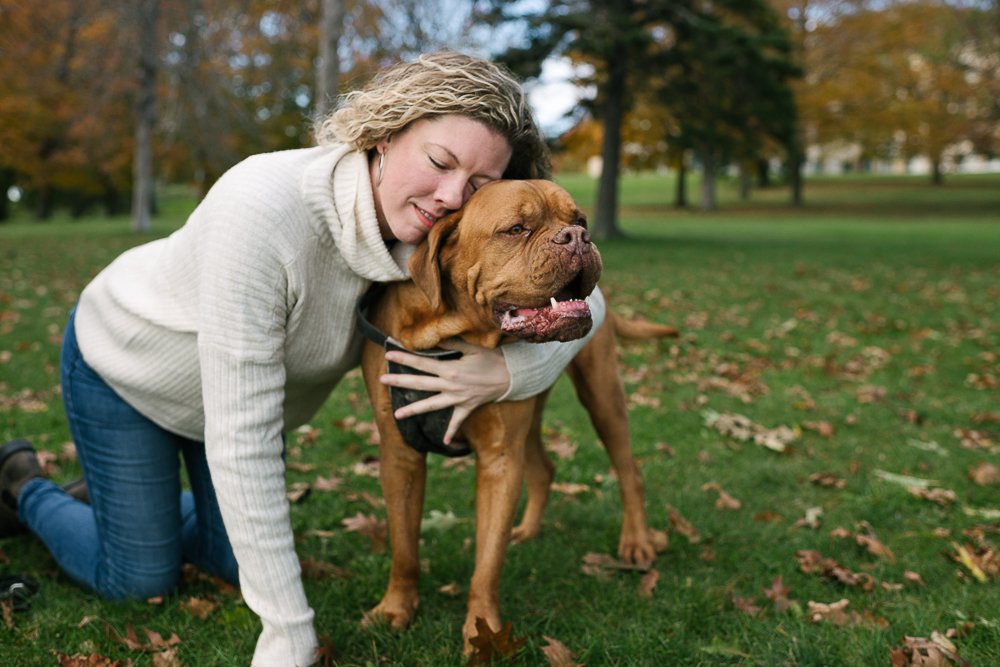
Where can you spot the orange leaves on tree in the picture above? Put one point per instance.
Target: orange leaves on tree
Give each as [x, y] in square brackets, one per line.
[489, 646]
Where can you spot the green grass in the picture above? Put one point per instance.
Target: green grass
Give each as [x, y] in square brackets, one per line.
[788, 316]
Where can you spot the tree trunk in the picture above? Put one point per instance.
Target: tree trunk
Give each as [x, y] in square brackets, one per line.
[328, 66]
[744, 182]
[795, 170]
[142, 168]
[6, 182]
[606, 215]
[680, 193]
[937, 175]
[708, 180]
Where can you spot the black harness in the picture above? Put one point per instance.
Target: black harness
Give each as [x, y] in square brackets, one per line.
[423, 432]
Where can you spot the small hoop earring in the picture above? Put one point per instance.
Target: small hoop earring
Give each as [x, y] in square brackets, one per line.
[378, 169]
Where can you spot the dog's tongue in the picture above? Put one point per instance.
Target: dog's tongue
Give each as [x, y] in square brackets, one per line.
[560, 320]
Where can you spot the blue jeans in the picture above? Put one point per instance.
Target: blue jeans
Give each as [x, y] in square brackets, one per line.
[140, 527]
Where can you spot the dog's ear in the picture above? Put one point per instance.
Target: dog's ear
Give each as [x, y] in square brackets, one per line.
[426, 261]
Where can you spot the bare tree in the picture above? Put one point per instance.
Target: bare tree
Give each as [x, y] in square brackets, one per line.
[145, 114]
[328, 66]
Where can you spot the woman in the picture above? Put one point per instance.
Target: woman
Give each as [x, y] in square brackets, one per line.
[215, 341]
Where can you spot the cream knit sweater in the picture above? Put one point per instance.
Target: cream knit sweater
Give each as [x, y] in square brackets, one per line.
[235, 329]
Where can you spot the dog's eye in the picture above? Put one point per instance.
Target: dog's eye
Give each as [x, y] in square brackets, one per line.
[516, 229]
[581, 220]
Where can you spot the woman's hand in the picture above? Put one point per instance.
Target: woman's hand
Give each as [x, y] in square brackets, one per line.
[479, 377]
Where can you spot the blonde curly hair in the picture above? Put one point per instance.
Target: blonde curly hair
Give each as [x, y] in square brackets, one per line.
[435, 84]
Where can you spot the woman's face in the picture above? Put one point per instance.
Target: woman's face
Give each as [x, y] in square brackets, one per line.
[431, 168]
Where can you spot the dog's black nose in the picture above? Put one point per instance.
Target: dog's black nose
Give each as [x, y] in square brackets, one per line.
[574, 236]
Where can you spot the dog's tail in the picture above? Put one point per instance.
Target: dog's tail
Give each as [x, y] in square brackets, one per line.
[641, 329]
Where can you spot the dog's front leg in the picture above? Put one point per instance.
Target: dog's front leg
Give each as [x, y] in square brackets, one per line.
[404, 477]
[498, 434]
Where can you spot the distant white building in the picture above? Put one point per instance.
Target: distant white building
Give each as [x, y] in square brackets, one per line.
[839, 158]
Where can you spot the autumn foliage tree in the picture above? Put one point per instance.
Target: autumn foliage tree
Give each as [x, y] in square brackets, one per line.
[901, 79]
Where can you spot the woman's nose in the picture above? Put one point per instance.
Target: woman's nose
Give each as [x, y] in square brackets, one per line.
[452, 191]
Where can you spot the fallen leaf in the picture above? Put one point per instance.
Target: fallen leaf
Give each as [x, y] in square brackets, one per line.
[440, 521]
[683, 526]
[557, 654]
[570, 489]
[319, 570]
[746, 605]
[488, 645]
[154, 640]
[91, 660]
[777, 593]
[327, 483]
[452, 589]
[648, 583]
[724, 501]
[984, 474]
[811, 519]
[828, 479]
[298, 492]
[938, 651]
[199, 607]
[943, 497]
[371, 527]
[982, 562]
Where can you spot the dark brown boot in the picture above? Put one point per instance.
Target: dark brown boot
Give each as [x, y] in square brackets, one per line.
[18, 464]
[77, 488]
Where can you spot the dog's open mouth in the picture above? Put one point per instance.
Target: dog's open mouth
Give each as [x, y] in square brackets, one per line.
[565, 317]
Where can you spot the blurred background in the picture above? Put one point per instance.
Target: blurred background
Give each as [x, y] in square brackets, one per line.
[103, 104]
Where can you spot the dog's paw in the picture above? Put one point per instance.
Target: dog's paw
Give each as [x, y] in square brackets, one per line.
[396, 613]
[641, 549]
[524, 532]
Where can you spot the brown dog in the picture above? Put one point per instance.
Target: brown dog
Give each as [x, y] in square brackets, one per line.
[515, 262]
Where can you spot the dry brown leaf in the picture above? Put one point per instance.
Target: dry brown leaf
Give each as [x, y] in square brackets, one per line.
[167, 658]
[298, 492]
[451, 590]
[327, 483]
[683, 526]
[92, 660]
[985, 474]
[813, 562]
[569, 488]
[778, 595]
[938, 651]
[319, 570]
[724, 501]
[199, 607]
[746, 605]
[648, 583]
[982, 562]
[154, 641]
[557, 654]
[370, 526]
[488, 645]
[943, 497]
[828, 480]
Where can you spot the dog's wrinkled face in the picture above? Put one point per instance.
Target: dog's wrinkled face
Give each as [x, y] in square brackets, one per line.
[518, 256]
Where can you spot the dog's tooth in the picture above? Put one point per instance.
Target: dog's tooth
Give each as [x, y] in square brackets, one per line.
[552, 300]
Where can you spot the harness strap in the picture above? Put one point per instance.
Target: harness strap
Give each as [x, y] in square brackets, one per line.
[423, 432]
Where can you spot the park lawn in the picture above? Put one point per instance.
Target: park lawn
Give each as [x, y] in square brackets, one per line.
[859, 335]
